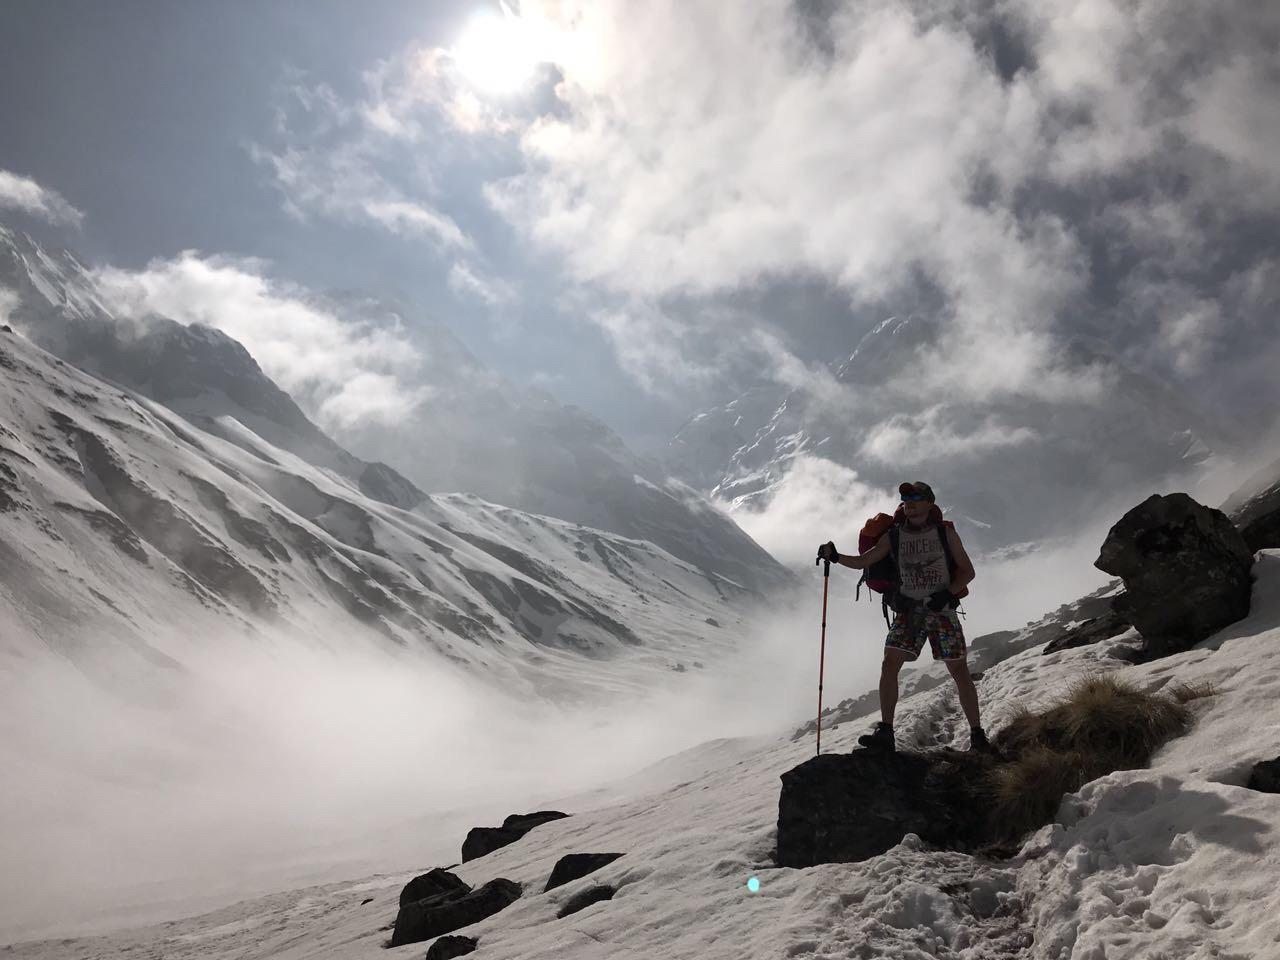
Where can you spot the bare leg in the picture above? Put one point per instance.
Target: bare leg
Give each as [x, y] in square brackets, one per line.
[892, 663]
[959, 670]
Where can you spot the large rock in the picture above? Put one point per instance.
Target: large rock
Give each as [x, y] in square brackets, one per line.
[1186, 571]
[446, 948]
[431, 884]
[485, 840]
[574, 866]
[841, 808]
[449, 911]
[584, 899]
[1265, 776]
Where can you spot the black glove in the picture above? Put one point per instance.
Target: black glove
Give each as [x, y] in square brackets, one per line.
[939, 600]
[829, 552]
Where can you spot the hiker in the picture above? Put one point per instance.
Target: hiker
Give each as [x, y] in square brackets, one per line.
[933, 572]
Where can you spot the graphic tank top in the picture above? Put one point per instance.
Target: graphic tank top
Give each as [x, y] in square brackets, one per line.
[922, 563]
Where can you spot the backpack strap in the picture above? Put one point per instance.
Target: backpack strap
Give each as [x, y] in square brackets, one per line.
[946, 548]
[895, 535]
[951, 560]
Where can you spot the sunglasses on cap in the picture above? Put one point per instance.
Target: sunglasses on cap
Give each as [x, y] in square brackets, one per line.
[913, 497]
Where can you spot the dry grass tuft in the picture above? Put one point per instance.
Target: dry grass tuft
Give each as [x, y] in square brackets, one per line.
[1102, 724]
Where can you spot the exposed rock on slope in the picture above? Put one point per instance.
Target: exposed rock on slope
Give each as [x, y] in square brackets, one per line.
[481, 841]
[1186, 571]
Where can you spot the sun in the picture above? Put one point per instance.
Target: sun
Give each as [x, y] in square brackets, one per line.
[497, 54]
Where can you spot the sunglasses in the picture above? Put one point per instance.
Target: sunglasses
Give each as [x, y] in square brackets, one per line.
[914, 498]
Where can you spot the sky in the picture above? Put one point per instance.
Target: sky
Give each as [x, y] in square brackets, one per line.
[646, 208]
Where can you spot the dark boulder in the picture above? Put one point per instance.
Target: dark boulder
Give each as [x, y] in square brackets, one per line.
[446, 912]
[484, 840]
[1265, 776]
[841, 808]
[1186, 571]
[446, 948]
[1092, 631]
[573, 866]
[432, 883]
[580, 901]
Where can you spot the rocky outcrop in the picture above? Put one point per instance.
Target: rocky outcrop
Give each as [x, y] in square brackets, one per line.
[452, 910]
[446, 948]
[844, 808]
[1186, 571]
[1091, 631]
[580, 901]
[1265, 776]
[484, 840]
[431, 884]
[577, 865]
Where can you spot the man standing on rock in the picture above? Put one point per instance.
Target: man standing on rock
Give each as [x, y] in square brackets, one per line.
[932, 573]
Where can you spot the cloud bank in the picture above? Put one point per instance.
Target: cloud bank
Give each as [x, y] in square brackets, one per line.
[346, 368]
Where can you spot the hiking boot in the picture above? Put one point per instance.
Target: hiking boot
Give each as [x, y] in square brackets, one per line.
[881, 738]
[978, 740]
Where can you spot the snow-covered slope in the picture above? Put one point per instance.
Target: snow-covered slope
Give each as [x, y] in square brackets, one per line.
[1177, 860]
[196, 371]
[127, 533]
[1025, 453]
[477, 434]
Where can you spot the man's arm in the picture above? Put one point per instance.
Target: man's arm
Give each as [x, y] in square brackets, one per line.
[964, 572]
[874, 555]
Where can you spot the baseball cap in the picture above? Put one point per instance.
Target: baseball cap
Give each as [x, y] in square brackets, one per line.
[917, 487]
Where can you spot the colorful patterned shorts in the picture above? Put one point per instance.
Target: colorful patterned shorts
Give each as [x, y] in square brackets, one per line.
[942, 629]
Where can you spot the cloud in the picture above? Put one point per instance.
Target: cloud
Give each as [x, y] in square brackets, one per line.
[908, 440]
[650, 344]
[1231, 118]
[347, 368]
[341, 183]
[799, 514]
[9, 299]
[464, 278]
[1034, 165]
[24, 194]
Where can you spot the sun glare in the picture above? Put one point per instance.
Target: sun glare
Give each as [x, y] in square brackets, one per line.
[497, 54]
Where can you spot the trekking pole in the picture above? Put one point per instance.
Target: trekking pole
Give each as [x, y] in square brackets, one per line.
[822, 654]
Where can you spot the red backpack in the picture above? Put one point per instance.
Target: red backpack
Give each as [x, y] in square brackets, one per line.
[883, 576]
